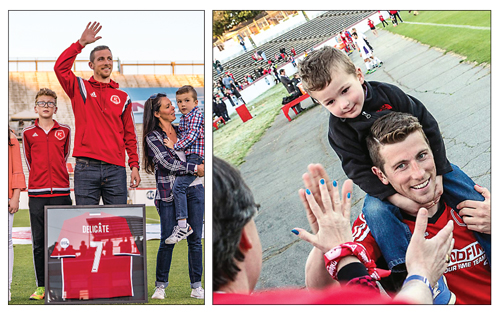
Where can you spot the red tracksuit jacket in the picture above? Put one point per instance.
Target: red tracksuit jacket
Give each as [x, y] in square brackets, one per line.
[46, 156]
[104, 120]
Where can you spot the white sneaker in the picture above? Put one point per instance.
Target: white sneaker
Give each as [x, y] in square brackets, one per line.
[178, 234]
[198, 293]
[159, 293]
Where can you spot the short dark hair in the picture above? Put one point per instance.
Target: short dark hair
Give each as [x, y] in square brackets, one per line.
[98, 48]
[391, 128]
[233, 207]
[187, 89]
[317, 69]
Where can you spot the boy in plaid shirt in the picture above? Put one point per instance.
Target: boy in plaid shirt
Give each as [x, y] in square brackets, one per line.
[192, 142]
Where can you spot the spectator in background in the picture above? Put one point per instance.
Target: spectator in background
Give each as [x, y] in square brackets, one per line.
[364, 38]
[220, 108]
[219, 66]
[395, 13]
[291, 87]
[227, 81]
[236, 93]
[262, 54]
[227, 94]
[242, 43]
[393, 18]
[381, 18]
[372, 27]
[292, 51]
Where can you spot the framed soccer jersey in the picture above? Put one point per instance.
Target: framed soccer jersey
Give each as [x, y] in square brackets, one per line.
[95, 254]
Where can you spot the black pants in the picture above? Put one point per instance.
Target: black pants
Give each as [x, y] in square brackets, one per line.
[36, 205]
[384, 22]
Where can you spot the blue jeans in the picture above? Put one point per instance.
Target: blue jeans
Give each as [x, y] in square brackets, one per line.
[95, 179]
[196, 210]
[180, 186]
[457, 187]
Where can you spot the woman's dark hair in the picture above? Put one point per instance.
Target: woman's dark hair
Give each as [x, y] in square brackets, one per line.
[233, 207]
[150, 122]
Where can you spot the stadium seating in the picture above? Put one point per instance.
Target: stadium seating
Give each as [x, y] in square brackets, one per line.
[23, 87]
[302, 38]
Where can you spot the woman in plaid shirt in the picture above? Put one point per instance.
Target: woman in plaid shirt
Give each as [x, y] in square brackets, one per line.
[167, 164]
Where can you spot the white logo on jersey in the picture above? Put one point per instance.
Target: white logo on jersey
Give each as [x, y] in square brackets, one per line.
[115, 99]
[64, 243]
[93, 95]
[468, 256]
[35, 135]
[59, 134]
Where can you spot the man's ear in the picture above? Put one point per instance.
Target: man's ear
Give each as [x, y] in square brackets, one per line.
[91, 65]
[378, 172]
[245, 241]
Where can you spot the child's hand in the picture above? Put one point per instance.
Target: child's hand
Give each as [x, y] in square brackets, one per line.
[168, 143]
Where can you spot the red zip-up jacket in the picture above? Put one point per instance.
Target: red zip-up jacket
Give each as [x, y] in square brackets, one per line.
[46, 155]
[104, 121]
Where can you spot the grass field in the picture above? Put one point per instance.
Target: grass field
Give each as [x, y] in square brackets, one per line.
[472, 43]
[232, 142]
[178, 291]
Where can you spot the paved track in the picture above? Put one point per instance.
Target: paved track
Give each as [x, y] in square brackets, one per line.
[457, 94]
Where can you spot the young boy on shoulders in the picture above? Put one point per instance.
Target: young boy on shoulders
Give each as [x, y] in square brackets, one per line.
[46, 148]
[330, 77]
[192, 142]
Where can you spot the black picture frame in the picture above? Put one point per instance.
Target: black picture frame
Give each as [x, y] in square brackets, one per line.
[111, 240]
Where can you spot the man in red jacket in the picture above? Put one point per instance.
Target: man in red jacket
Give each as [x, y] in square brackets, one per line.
[104, 125]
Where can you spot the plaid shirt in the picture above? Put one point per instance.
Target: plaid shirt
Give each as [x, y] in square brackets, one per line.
[192, 133]
[167, 165]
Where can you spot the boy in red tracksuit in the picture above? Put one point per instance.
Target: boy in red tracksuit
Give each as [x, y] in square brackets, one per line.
[104, 125]
[46, 148]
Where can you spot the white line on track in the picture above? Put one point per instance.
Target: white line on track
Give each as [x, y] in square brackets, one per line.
[451, 25]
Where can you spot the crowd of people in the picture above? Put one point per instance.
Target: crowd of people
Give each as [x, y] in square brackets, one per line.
[104, 134]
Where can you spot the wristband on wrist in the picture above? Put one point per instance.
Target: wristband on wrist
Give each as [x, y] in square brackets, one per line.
[333, 257]
[422, 279]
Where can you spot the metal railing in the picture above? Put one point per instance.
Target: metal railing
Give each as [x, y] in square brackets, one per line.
[117, 64]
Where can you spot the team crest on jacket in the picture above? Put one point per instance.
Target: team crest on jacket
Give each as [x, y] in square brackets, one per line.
[59, 134]
[115, 99]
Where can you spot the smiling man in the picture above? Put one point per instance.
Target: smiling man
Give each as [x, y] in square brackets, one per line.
[402, 157]
[104, 125]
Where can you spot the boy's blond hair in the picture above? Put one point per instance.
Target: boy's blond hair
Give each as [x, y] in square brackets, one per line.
[46, 92]
[317, 69]
[185, 89]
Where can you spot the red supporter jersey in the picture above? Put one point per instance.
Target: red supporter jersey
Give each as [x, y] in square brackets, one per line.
[331, 295]
[46, 155]
[102, 265]
[468, 273]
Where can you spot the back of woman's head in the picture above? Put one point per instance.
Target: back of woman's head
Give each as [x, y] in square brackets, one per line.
[233, 208]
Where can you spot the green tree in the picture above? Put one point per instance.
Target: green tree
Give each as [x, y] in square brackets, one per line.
[225, 20]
